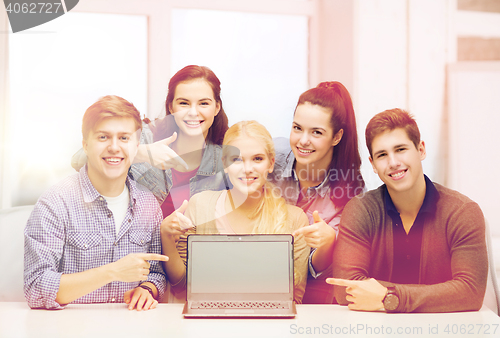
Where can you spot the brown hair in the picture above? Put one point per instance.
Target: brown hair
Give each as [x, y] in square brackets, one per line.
[107, 107]
[389, 120]
[165, 127]
[334, 96]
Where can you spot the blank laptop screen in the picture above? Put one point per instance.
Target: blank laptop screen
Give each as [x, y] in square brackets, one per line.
[240, 267]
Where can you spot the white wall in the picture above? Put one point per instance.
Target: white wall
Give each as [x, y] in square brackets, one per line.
[474, 120]
[388, 53]
[391, 54]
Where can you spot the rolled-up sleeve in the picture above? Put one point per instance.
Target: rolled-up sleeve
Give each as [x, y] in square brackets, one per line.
[43, 249]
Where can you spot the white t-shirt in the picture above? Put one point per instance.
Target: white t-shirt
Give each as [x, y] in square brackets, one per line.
[119, 206]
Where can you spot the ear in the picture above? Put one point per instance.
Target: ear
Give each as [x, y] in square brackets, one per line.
[170, 108]
[224, 164]
[373, 166]
[422, 151]
[338, 137]
[271, 167]
[137, 134]
[217, 108]
[84, 146]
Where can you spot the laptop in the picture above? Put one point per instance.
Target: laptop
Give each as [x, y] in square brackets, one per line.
[240, 276]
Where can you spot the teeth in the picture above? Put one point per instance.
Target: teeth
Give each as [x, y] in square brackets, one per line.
[247, 179]
[193, 123]
[305, 151]
[113, 160]
[398, 174]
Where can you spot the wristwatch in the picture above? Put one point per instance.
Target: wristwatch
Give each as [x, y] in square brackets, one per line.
[391, 299]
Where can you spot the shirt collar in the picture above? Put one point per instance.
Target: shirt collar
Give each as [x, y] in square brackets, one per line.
[322, 189]
[208, 165]
[90, 194]
[289, 171]
[430, 199]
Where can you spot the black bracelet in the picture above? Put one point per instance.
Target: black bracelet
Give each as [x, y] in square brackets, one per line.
[145, 287]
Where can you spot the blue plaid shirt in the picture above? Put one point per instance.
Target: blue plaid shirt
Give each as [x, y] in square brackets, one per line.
[71, 229]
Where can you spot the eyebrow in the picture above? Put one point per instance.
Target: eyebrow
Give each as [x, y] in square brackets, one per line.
[183, 99]
[253, 155]
[395, 147]
[314, 128]
[107, 132]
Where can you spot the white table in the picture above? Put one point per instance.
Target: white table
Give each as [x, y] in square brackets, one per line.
[114, 320]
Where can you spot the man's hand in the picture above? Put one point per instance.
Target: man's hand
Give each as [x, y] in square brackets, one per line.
[176, 224]
[140, 299]
[318, 234]
[364, 295]
[160, 155]
[134, 267]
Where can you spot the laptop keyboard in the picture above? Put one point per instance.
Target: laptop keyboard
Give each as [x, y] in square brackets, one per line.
[239, 305]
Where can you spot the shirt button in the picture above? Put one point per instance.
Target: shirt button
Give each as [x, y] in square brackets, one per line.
[85, 246]
[113, 300]
[408, 257]
[407, 240]
[142, 241]
[129, 220]
[101, 199]
[109, 215]
[115, 244]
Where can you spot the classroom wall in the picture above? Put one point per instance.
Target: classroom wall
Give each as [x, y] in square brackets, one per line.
[391, 54]
[388, 53]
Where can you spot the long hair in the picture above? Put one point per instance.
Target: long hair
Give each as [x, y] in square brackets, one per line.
[165, 127]
[346, 160]
[271, 214]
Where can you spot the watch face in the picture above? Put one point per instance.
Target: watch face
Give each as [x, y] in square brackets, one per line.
[391, 302]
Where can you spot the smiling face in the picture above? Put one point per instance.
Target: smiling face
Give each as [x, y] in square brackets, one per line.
[110, 147]
[312, 139]
[247, 165]
[194, 107]
[397, 161]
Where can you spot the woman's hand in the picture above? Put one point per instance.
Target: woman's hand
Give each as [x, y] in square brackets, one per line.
[317, 234]
[176, 224]
[160, 155]
[321, 236]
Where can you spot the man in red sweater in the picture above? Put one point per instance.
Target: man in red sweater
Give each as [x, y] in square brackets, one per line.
[411, 245]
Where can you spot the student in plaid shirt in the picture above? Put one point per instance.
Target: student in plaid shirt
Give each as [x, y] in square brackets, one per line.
[94, 237]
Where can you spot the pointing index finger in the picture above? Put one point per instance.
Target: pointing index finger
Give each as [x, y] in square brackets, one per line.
[340, 282]
[153, 257]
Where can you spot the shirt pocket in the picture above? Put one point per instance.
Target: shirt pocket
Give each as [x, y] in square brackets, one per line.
[84, 251]
[85, 241]
[140, 240]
